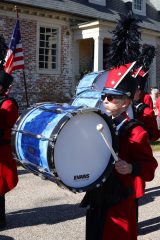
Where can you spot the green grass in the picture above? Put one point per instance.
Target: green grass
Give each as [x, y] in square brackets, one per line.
[155, 146]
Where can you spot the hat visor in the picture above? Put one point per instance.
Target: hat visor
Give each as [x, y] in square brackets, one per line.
[113, 91]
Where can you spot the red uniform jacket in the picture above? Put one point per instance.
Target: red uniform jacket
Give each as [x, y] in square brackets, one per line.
[8, 167]
[146, 98]
[135, 149]
[158, 106]
[147, 117]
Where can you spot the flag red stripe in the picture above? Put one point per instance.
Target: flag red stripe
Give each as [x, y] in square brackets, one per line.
[19, 67]
[19, 50]
[18, 58]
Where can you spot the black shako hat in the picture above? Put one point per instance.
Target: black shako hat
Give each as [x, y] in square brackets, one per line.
[120, 81]
[5, 80]
[143, 64]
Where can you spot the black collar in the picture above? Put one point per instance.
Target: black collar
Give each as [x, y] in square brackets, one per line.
[123, 117]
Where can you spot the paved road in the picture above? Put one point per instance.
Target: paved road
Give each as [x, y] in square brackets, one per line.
[150, 209]
[38, 209]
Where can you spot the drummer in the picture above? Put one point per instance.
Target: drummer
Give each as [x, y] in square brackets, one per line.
[111, 210]
[8, 116]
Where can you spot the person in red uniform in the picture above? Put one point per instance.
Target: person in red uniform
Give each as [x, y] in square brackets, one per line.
[143, 62]
[111, 209]
[145, 97]
[154, 95]
[143, 107]
[158, 111]
[8, 167]
[143, 104]
[145, 115]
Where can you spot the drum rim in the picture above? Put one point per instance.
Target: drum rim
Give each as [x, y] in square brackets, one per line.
[21, 118]
[50, 150]
[99, 182]
[77, 97]
[99, 73]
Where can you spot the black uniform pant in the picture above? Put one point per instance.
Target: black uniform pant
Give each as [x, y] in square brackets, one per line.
[137, 206]
[2, 209]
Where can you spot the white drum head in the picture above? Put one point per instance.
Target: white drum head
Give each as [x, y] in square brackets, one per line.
[80, 154]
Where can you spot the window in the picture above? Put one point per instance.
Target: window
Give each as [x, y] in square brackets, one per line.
[99, 2]
[139, 7]
[48, 49]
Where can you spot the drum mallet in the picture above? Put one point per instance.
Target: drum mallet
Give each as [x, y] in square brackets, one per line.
[99, 128]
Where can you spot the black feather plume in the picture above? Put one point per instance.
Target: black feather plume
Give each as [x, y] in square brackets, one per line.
[146, 57]
[3, 50]
[125, 46]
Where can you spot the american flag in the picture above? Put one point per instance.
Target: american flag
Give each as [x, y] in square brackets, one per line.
[14, 59]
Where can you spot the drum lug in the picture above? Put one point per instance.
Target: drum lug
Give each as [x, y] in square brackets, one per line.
[52, 140]
[51, 143]
[104, 179]
[98, 185]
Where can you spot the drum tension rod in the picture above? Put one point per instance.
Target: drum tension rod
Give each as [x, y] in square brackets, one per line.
[39, 136]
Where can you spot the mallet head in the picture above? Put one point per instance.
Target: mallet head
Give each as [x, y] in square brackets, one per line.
[99, 127]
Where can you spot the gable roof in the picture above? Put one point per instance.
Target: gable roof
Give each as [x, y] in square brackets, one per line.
[93, 11]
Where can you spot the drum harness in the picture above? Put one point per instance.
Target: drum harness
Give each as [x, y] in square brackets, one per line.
[2, 100]
[138, 108]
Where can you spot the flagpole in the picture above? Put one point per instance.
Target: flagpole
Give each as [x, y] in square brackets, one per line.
[24, 77]
[25, 87]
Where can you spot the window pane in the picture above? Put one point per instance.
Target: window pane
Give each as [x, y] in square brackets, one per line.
[53, 52]
[53, 65]
[53, 59]
[41, 51]
[47, 44]
[41, 65]
[42, 37]
[46, 65]
[46, 51]
[42, 30]
[41, 58]
[48, 30]
[41, 44]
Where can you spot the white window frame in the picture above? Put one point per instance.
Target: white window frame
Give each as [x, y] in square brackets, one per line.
[138, 11]
[99, 2]
[52, 26]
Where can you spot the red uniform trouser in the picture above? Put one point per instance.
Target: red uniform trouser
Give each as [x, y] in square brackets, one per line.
[120, 223]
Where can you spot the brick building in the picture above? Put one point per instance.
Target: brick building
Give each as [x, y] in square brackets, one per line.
[62, 39]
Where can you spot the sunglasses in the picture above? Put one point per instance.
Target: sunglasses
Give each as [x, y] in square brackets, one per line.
[111, 97]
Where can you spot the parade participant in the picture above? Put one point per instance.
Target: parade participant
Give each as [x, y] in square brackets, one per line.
[143, 63]
[142, 111]
[8, 116]
[143, 104]
[154, 96]
[145, 114]
[111, 210]
[158, 111]
[142, 95]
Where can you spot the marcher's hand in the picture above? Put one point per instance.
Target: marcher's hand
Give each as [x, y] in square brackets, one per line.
[123, 167]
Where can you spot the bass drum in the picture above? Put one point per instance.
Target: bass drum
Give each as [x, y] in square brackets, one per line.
[89, 98]
[63, 144]
[92, 81]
